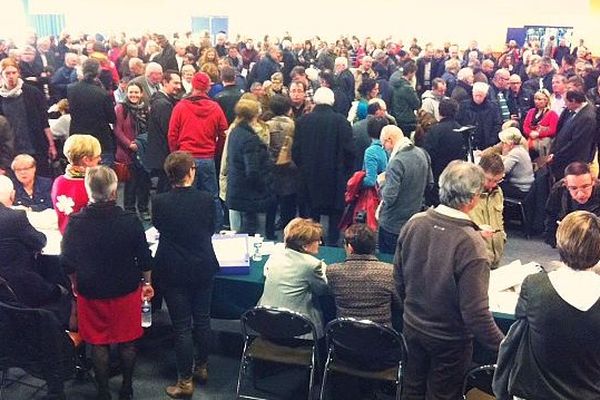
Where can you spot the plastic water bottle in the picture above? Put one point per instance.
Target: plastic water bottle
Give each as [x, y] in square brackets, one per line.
[146, 314]
[258, 241]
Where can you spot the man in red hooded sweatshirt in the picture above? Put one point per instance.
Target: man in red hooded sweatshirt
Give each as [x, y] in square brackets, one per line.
[198, 126]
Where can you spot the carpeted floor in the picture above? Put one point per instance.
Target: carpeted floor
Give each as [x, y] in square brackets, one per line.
[156, 360]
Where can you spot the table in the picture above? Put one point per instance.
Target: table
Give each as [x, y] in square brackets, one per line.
[234, 294]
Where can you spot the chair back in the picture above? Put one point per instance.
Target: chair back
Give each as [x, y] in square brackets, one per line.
[276, 323]
[480, 378]
[365, 344]
[32, 339]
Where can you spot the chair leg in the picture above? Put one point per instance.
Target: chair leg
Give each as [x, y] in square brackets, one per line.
[2, 379]
[324, 382]
[243, 366]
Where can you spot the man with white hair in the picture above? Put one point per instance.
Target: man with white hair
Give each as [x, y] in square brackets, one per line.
[482, 113]
[498, 91]
[62, 78]
[150, 82]
[136, 67]
[364, 71]
[442, 275]
[344, 76]
[19, 245]
[464, 85]
[221, 45]
[180, 52]
[407, 175]
[323, 150]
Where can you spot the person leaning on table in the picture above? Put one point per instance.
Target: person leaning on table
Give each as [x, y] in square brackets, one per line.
[562, 309]
[185, 266]
[105, 253]
[294, 276]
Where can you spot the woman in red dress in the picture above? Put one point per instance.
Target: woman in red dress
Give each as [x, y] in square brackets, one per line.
[104, 252]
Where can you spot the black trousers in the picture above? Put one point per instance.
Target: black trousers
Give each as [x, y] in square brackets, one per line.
[137, 188]
[435, 368]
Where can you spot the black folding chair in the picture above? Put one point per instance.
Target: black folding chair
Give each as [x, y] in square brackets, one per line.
[272, 334]
[478, 383]
[33, 340]
[364, 349]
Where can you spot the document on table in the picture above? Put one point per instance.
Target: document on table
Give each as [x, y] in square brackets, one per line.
[231, 250]
[505, 285]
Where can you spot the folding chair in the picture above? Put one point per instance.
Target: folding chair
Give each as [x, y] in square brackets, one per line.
[478, 383]
[275, 338]
[364, 349]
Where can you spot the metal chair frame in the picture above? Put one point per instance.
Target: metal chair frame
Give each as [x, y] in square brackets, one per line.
[248, 338]
[472, 373]
[396, 336]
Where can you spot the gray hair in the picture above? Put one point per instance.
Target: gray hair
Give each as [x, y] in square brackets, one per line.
[324, 95]
[459, 183]
[341, 61]
[153, 67]
[480, 87]
[464, 74]
[101, 184]
[6, 188]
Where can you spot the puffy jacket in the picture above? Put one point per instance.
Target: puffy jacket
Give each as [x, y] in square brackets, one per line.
[197, 126]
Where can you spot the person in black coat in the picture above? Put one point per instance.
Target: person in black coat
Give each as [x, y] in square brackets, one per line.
[441, 142]
[92, 110]
[185, 266]
[231, 93]
[249, 183]
[577, 137]
[323, 150]
[265, 67]
[484, 114]
[19, 245]
[25, 108]
[161, 108]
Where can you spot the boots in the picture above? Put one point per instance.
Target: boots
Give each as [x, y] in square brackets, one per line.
[201, 373]
[184, 388]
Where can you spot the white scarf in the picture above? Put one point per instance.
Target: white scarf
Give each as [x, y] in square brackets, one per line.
[14, 92]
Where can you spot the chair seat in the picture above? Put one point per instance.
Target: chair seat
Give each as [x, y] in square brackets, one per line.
[389, 374]
[476, 394]
[263, 349]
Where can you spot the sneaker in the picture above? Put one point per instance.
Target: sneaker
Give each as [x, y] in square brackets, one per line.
[201, 373]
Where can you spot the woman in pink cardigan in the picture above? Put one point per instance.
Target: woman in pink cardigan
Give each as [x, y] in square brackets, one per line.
[540, 124]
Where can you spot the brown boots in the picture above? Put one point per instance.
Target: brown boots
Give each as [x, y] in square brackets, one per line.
[201, 373]
[184, 388]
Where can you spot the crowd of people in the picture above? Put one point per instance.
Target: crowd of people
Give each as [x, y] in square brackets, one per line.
[369, 134]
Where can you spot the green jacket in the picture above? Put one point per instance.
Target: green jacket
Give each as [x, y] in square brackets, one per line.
[488, 211]
[405, 102]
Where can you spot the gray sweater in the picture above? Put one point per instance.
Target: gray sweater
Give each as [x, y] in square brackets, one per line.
[518, 168]
[407, 175]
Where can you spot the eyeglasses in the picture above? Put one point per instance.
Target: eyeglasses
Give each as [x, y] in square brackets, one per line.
[582, 188]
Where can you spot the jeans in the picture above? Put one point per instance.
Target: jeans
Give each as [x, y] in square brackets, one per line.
[249, 223]
[287, 212]
[333, 231]
[235, 220]
[435, 368]
[189, 309]
[163, 184]
[107, 159]
[387, 241]
[206, 179]
[137, 188]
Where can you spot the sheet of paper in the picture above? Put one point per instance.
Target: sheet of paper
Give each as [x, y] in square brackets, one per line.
[43, 220]
[152, 235]
[511, 275]
[54, 238]
[503, 302]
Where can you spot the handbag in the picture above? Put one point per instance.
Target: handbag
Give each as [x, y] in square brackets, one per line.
[122, 171]
[285, 153]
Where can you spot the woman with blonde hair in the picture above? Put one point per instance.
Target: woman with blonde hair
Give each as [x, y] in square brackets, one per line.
[540, 124]
[209, 56]
[68, 191]
[248, 167]
[294, 277]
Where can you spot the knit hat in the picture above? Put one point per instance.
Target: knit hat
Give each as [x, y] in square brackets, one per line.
[201, 81]
[511, 135]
